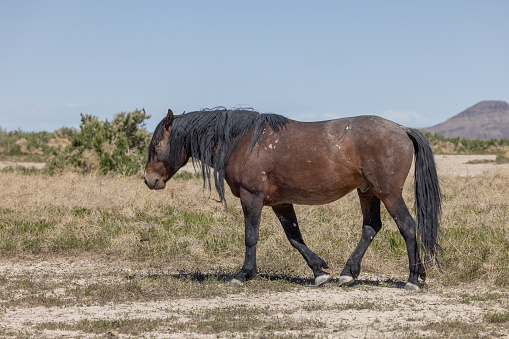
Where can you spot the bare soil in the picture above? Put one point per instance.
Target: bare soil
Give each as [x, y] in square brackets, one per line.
[375, 307]
[36, 165]
[458, 165]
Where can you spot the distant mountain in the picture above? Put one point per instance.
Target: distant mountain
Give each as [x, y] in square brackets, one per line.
[484, 120]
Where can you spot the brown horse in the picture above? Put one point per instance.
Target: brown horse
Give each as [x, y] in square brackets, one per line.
[269, 160]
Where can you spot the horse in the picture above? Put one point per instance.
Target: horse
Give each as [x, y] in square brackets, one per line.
[270, 160]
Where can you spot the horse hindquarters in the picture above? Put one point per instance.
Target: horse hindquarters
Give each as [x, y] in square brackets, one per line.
[386, 170]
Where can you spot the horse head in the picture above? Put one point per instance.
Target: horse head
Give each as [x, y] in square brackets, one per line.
[159, 168]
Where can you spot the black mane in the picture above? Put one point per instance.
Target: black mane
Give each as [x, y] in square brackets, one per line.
[198, 132]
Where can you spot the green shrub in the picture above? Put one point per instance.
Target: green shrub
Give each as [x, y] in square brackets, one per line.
[118, 146]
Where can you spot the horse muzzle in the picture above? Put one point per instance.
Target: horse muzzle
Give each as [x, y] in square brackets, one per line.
[154, 182]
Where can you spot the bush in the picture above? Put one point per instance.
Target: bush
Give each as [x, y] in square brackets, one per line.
[119, 146]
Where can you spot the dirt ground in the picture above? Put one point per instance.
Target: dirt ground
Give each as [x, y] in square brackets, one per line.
[458, 165]
[375, 308]
[36, 165]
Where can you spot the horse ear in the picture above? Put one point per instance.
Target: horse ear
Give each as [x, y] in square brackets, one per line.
[169, 120]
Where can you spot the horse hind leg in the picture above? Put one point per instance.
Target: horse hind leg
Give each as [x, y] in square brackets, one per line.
[288, 219]
[371, 224]
[406, 225]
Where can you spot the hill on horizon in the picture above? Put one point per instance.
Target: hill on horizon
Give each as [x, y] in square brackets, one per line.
[484, 120]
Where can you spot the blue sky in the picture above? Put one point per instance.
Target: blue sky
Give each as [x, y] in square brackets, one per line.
[417, 63]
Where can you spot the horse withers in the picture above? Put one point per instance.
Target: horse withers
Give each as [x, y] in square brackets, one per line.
[269, 160]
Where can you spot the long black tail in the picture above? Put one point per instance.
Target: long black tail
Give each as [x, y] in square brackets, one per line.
[427, 197]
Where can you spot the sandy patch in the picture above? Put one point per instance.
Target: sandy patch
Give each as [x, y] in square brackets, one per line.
[36, 165]
[458, 165]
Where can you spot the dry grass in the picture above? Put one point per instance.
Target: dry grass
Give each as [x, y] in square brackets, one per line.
[186, 231]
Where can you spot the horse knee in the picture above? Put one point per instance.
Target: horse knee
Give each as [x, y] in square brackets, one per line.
[369, 232]
[251, 241]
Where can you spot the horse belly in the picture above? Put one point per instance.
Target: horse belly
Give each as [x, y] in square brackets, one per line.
[305, 198]
[313, 191]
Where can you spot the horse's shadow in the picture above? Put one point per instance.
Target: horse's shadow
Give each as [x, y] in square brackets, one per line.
[224, 277]
[311, 281]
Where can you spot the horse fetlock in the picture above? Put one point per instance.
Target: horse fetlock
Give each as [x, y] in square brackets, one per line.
[317, 265]
[415, 274]
[422, 271]
[351, 269]
[245, 275]
[323, 264]
[422, 275]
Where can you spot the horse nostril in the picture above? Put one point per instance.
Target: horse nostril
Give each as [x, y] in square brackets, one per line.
[155, 183]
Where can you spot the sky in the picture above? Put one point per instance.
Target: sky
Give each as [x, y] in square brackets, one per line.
[416, 63]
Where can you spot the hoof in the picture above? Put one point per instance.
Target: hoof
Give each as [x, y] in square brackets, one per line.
[236, 282]
[412, 287]
[321, 279]
[345, 280]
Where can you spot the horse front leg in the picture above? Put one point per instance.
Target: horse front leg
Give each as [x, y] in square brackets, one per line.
[252, 207]
[288, 219]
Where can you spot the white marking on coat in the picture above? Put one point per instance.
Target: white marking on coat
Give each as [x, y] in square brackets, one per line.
[264, 176]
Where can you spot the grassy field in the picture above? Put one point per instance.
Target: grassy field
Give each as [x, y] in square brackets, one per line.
[129, 244]
[187, 230]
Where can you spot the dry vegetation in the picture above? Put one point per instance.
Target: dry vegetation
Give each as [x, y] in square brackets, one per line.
[80, 242]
